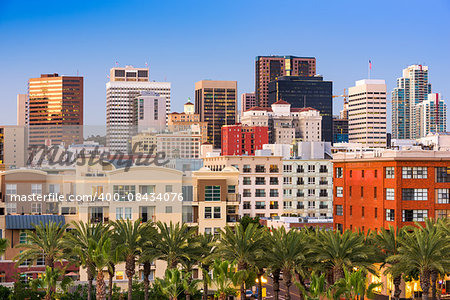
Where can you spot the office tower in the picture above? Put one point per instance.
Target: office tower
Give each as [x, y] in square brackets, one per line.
[150, 112]
[241, 139]
[188, 121]
[340, 129]
[216, 103]
[125, 85]
[248, 100]
[22, 110]
[394, 187]
[303, 92]
[367, 113]
[268, 68]
[431, 115]
[13, 147]
[412, 89]
[55, 105]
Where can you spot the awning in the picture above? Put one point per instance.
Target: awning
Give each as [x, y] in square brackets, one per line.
[27, 221]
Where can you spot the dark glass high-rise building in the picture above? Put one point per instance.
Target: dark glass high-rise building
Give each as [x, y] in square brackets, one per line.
[306, 91]
[340, 130]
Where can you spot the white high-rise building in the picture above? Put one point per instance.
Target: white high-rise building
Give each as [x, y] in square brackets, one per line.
[125, 85]
[150, 112]
[431, 115]
[367, 113]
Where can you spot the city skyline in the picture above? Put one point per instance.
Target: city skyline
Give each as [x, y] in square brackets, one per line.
[172, 55]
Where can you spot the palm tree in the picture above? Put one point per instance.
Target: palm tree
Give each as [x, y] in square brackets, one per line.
[335, 252]
[76, 244]
[172, 284]
[47, 282]
[149, 254]
[243, 246]
[207, 243]
[128, 234]
[317, 288]
[354, 285]
[286, 251]
[173, 242]
[425, 250]
[3, 246]
[388, 242]
[224, 278]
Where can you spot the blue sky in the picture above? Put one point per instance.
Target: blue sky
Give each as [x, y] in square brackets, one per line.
[187, 41]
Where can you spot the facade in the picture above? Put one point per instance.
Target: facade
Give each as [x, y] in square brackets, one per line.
[285, 123]
[373, 190]
[248, 100]
[367, 113]
[340, 130]
[22, 110]
[243, 140]
[260, 182]
[412, 89]
[268, 68]
[188, 121]
[150, 112]
[302, 92]
[431, 115]
[216, 103]
[125, 85]
[55, 109]
[13, 147]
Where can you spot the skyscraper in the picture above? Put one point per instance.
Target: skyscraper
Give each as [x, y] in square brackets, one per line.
[412, 89]
[367, 113]
[248, 100]
[150, 112]
[268, 68]
[302, 92]
[125, 85]
[22, 109]
[431, 115]
[216, 103]
[55, 108]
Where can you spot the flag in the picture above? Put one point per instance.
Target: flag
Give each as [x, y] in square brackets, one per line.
[370, 64]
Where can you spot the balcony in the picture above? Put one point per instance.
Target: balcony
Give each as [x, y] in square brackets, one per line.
[323, 182]
[300, 182]
[323, 170]
[300, 170]
[273, 181]
[300, 194]
[247, 206]
[260, 169]
[232, 218]
[274, 206]
[300, 206]
[234, 197]
[274, 169]
[323, 206]
[323, 194]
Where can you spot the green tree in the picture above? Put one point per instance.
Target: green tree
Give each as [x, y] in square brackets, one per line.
[354, 285]
[149, 254]
[224, 278]
[317, 288]
[242, 245]
[3, 246]
[172, 284]
[207, 243]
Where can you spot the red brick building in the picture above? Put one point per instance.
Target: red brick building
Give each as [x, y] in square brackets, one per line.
[390, 187]
[242, 139]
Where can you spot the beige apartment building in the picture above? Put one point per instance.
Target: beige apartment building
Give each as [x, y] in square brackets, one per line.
[367, 113]
[13, 147]
[188, 121]
[260, 182]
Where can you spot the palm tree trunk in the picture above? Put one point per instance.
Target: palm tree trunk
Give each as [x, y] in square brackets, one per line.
[205, 284]
[434, 275]
[425, 283]
[101, 287]
[242, 266]
[130, 270]
[90, 274]
[287, 277]
[260, 275]
[147, 267]
[276, 283]
[110, 282]
[397, 291]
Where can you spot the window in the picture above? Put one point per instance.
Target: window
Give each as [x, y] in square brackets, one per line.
[351, 210]
[247, 193]
[311, 192]
[208, 212]
[217, 212]
[260, 193]
[273, 204]
[351, 173]
[390, 194]
[260, 181]
[415, 215]
[339, 172]
[300, 169]
[311, 180]
[208, 230]
[442, 196]
[442, 174]
[247, 169]
[147, 189]
[323, 169]
[376, 173]
[414, 172]
[11, 189]
[40, 261]
[53, 188]
[247, 205]
[339, 191]
[260, 205]
[274, 180]
[389, 172]
[311, 168]
[123, 191]
[23, 237]
[390, 215]
[168, 209]
[442, 213]
[128, 213]
[246, 181]
[287, 192]
[11, 208]
[323, 193]
[287, 180]
[36, 208]
[169, 188]
[375, 192]
[362, 191]
[273, 193]
[260, 169]
[212, 193]
[36, 189]
[287, 204]
[415, 194]
[68, 210]
[350, 189]
[376, 212]
[119, 213]
[231, 189]
[274, 169]
[362, 173]
[339, 210]
[287, 168]
[362, 211]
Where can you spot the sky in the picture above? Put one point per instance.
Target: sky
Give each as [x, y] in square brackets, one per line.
[187, 41]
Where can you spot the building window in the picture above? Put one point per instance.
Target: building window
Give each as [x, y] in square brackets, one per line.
[247, 193]
[351, 173]
[415, 194]
[36, 208]
[362, 173]
[350, 190]
[231, 189]
[260, 193]
[323, 193]
[68, 210]
[362, 191]
[287, 180]
[212, 193]
[375, 192]
[389, 172]
[414, 172]
[287, 168]
[23, 237]
[339, 172]
[311, 180]
[11, 208]
[390, 194]
[247, 169]
[260, 205]
[208, 212]
[339, 210]
[247, 205]
[274, 180]
[311, 168]
[362, 211]
[119, 213]
[287, 204]
[128, 213]
[169, 188]
[260, 169]
[168, 209]
[11, 189]
[274, 169]
[311, 192]
[323, 169]
[390, 215]
[123, 191]
[443, 196]
[376, 174]
[217, 212]
[273, 193]
[415, 215]
[442, 213]
[442, 174]
[339, 191]
[287, 192]
[246, 181]
[351, 210]
[36, 189]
